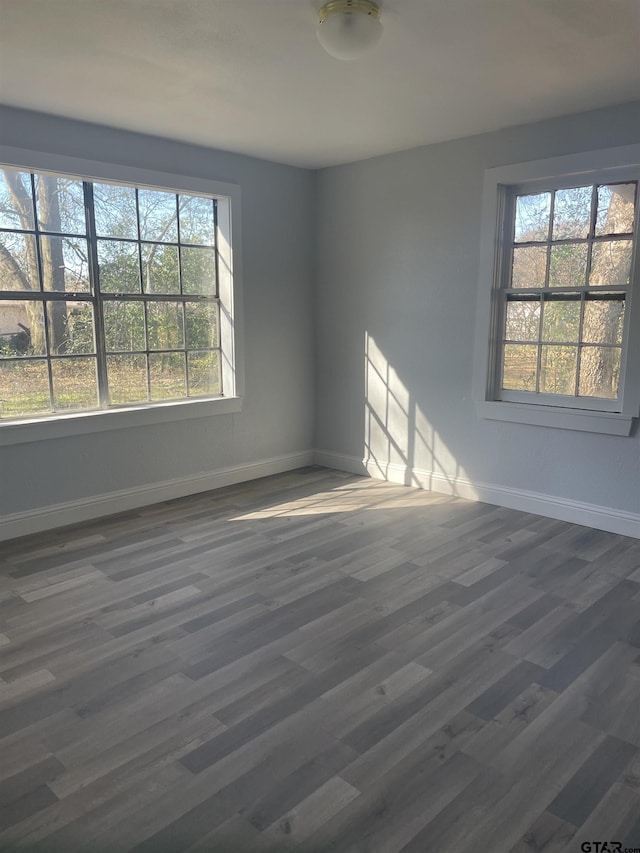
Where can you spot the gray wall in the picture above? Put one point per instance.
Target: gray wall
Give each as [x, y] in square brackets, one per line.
[380, 254]
[278, 413]
[397, 258]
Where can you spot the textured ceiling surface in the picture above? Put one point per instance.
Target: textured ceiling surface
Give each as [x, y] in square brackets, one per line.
[249, 75]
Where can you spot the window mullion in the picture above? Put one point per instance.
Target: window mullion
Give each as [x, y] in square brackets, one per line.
[45, 313]
[543, 298]
[539, 343]
[590, 237]
[94, 277]
[580, 344]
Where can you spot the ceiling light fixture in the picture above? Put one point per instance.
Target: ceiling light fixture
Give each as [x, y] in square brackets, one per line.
[348, 28]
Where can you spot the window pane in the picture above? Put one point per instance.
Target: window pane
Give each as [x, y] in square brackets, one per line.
[603, 321]
[522, 321]
[160, 268]
[529, 266]
[16, 202]
[572, 213]
[599, 372]
[167, 376]
[24, 387]
[127, 377]
[74, 383]
[199, 271]
[532, 217]
[561, 321]
[158, 216]
[164, 325]
[558, 370]
[119, 267]
[196, 220]
[22, 328]
[520, 367]
[616, 208]
[201, 319]
[115, 211]
[18, 262]
[65, 264]
[611, 263]
[70, 327]
[60, 204]
[568, 265]
[124, 326]
[204, 374]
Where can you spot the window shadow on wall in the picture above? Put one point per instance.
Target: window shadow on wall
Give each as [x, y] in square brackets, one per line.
[400, 443]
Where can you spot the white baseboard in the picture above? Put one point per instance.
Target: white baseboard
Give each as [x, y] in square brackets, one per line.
[71, 512]
[577, 512]
[340, 462]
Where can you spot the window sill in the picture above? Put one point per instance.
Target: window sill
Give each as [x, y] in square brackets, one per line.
[83, 423]
[608, 423]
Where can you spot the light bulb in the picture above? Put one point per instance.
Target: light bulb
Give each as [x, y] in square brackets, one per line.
[348, 28]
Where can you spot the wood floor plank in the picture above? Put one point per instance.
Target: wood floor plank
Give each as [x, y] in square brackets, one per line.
[314, 811]
[583, 792]
[615, 817]
[548, 833]
[392, 810]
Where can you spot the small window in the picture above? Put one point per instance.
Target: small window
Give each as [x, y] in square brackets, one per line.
[563, 327]
[565, 296]
[112, 295]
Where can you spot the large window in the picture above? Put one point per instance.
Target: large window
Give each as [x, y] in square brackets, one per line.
[110, 295]
[563, 337]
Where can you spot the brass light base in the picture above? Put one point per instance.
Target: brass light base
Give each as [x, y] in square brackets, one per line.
[346, 7]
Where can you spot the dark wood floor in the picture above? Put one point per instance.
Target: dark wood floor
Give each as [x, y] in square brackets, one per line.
[317, 661]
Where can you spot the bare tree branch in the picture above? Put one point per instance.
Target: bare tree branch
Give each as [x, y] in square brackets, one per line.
[9, 263]
[22, 201]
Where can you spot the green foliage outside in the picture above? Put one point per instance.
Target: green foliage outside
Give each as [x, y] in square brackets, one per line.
[156, 349]
[558, 342]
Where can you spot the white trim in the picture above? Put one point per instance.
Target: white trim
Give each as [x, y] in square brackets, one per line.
[229, 239]
[79, 167]
[569, 166]
[81, 423]
[577, 512]
[72, 512]
[610, 423]
[594, 166]
[340, 462]
[96, 506]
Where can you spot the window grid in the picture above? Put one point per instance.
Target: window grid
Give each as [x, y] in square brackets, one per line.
[548, 293]
[96, 298]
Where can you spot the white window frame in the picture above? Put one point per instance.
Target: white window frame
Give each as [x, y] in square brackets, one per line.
[609, 165]
[227, 196]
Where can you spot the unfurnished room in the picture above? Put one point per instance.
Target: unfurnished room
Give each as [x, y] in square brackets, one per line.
[319, 426]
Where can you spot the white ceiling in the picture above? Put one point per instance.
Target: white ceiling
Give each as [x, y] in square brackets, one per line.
[249, 75]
